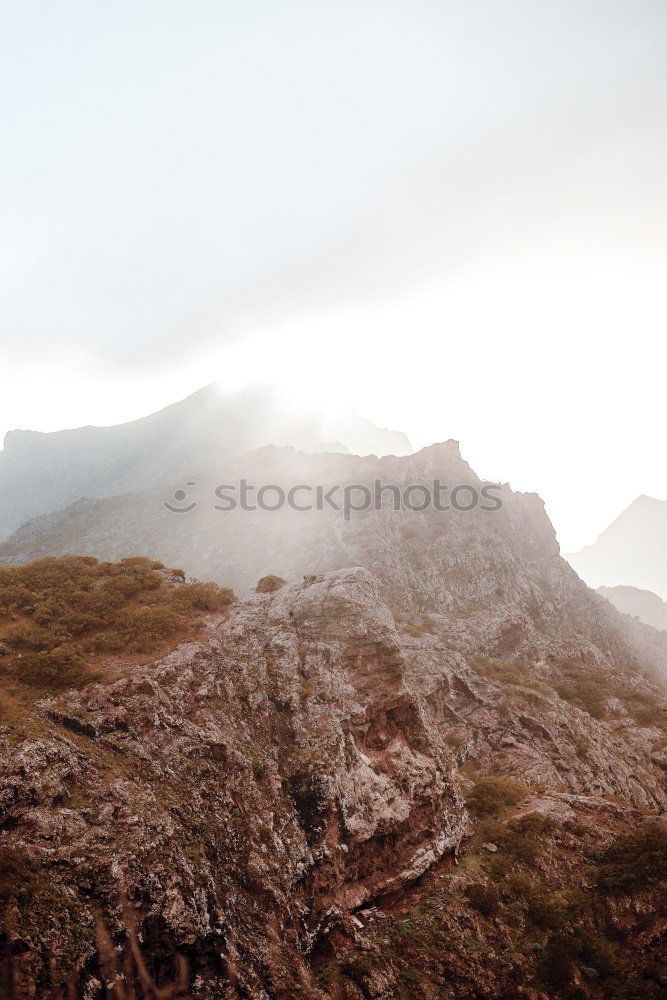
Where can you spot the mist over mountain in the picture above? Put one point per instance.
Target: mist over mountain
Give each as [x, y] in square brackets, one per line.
[292, 708]
[499, 571]
[399, 709]
[642, 604]
[40, 472]
[318, 787]
[631, 552]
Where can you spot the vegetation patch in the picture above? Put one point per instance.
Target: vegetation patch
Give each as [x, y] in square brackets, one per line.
[491, 796]
[636, 860]
[59, 614]
[17, 877]
[515, 674]
[582, 690]
[588, 689]
[483, 898]
[269, 584]
[544, 920]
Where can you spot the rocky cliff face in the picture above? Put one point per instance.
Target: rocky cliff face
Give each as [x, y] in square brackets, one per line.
[238, 800]
[220, 822]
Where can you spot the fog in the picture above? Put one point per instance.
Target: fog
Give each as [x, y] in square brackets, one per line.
[450, 216]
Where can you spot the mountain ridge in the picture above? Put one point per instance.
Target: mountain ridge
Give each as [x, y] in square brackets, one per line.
[491, 570]
[43, 472]
[641, 604]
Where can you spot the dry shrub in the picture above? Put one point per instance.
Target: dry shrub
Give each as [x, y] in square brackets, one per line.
[62, 666]
[636, 860]
[16, 876]
[269, 584]
[546, 910]
[59, 612]
[515, 674]
[483, 898]
[202, 597]
[491, 796]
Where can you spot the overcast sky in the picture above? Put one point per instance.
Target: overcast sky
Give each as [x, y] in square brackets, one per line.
[453, 213]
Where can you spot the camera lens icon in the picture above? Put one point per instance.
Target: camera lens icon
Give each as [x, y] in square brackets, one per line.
[179, 497]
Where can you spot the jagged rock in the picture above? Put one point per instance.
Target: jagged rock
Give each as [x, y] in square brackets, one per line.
[241, 798]
[307, 782]
[235, 803]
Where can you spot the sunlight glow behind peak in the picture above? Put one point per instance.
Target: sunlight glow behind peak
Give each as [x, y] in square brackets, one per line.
[534, 371]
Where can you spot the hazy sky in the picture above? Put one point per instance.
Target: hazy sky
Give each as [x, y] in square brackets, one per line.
[454, 213]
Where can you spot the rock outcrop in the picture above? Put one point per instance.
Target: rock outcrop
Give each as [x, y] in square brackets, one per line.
[208, 824]
[276, 776]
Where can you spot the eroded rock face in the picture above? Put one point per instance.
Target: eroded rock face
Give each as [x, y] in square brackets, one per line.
[217, 817]
[229, 805]
[511, 718]
[533, 917]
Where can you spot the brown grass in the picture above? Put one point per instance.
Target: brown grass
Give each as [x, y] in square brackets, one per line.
[60, 618]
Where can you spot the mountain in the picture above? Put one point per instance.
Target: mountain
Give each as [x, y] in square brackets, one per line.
[631, 552]
[430, 764]
[40, 473]
[641, 604]
[493, 572]
[318, 795]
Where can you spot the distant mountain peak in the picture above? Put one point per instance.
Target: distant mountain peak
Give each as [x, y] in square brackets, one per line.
[644, 500]
[641, 604]
[631, 551]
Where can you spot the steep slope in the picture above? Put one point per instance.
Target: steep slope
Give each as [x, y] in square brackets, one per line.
[631, 551]
[225, 820]
[641, 604]
[40, 473]
[556, 896]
